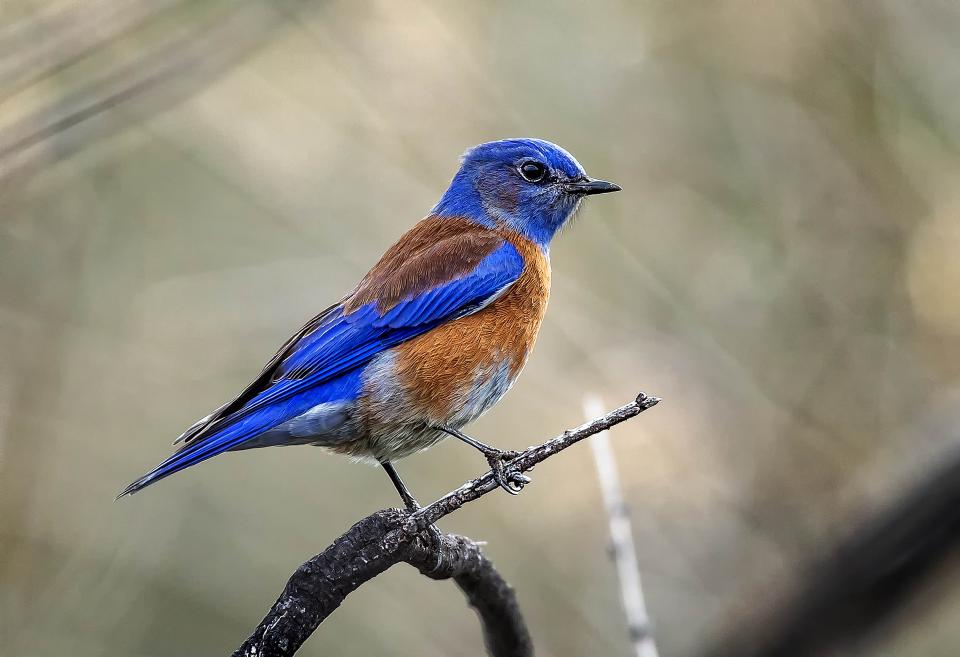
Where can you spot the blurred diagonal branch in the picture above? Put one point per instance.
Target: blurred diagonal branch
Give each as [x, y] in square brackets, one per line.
[388, 537]
[621, 539]
[858, 586]
[56, 38]
[178, 62]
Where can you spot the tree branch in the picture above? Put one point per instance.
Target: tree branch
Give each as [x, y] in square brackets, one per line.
[860, 583]
[392, 536]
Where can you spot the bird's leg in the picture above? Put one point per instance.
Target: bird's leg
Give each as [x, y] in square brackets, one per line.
[497, 458]
[409, 500]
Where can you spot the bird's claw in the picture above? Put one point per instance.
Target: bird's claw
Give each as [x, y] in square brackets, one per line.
[435, 536]
[432, 531]
[512, 482]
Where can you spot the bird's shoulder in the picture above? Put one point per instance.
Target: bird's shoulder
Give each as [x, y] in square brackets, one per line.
[435, 251]
[536, 262]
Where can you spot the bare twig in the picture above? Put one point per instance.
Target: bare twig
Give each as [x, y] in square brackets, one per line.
[621, 539]
[480, 486]
[389, 537]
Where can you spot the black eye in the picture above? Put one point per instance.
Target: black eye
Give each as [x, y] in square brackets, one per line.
[533, 171]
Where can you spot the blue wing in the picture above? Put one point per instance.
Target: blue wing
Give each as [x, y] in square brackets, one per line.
[324, 361]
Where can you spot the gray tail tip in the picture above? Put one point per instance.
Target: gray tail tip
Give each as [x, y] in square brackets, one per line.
[129, 490]
[133, 487]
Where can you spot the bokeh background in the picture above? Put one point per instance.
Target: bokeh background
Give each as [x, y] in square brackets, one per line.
[183, 183]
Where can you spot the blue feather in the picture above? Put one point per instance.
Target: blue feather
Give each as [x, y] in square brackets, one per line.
[346, 387]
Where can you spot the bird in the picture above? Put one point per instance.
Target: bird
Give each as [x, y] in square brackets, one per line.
[430, 338]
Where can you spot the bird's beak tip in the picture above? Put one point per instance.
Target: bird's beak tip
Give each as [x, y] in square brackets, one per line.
[592, 186]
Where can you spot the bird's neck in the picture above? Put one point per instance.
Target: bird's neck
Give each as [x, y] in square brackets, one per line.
[463, 200]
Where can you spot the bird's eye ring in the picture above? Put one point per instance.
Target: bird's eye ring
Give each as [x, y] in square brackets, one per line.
[533, 171]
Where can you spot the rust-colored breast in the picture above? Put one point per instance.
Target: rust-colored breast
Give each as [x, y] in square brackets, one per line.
[438, 368]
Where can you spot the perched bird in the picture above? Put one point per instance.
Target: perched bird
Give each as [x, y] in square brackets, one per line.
[430, 338]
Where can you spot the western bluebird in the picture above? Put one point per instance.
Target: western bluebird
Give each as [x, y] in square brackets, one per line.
[430, 338]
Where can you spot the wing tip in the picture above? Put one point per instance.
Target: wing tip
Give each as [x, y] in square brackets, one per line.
[194, 429]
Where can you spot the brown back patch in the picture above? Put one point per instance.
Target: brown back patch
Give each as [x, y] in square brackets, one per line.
[431, 253]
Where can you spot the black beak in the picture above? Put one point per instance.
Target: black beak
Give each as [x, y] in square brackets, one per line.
[590, 186]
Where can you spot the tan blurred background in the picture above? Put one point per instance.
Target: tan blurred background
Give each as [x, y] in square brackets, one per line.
[182, 184]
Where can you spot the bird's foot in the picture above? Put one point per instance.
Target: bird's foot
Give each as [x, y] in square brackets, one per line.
[436, 538]
[512, 482]
[410, 503]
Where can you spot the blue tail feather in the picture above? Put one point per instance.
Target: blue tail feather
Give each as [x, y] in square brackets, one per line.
[249, 427]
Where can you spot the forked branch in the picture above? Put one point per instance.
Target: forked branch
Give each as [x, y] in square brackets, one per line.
[389, 537]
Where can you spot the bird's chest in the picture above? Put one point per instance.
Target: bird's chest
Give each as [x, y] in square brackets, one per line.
[455, 372]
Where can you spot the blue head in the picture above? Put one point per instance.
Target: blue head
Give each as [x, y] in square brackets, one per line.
[529, 185]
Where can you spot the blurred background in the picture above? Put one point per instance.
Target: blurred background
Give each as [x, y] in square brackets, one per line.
[184, 183]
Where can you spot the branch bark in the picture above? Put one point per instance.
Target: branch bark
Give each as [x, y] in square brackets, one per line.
[388, 537]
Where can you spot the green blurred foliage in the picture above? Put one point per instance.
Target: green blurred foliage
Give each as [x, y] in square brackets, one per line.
[183, 183]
